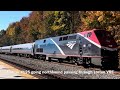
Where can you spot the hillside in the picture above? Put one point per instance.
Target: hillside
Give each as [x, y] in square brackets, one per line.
[42, 24]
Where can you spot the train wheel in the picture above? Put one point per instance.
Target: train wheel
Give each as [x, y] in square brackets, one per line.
[44, 58]
[60, 60]
[39, 57]
[28, 56]
[79, 61]
[73, 60]
[49, 59]
[88, 61]
[84, 62]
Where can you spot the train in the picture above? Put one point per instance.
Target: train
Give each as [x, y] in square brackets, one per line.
[92, 47]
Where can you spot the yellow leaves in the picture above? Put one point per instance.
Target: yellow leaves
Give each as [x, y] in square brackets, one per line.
[59, 20]
[118, 41]
[61, 12]
[109, 28]
[100, 18]
[84, 21]
[56, 13]
[99, 13]
[10, 31]
[56, 27]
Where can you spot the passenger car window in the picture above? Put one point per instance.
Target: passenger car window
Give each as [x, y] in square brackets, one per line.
[44, 41]
[72, 37]
[60, 39]
[65, 38]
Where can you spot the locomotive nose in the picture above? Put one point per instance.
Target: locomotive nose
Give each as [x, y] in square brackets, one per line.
[105, 39]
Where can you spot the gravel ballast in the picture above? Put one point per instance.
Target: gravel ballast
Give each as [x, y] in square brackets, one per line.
[60, 69]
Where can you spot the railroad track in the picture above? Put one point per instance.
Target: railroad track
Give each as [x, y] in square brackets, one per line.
[39, 76]
[36, 65]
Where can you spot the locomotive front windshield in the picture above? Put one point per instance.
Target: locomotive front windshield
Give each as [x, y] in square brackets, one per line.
[105, 38]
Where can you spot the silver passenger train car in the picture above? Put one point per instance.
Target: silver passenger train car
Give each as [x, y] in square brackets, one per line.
[22, 49]
[6, 49]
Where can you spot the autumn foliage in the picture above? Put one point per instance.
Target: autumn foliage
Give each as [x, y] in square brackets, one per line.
[42, 24]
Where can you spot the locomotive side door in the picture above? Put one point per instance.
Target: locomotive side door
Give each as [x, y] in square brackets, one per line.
[80, 51]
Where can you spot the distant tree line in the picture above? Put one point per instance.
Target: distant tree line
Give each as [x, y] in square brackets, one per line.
[43, 24]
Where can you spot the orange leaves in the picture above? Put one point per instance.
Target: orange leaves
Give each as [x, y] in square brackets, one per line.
[46, 23]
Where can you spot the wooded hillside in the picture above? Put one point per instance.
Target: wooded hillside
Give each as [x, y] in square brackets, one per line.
[42, 24]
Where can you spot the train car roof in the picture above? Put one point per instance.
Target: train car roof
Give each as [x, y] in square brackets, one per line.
[71, 34]
[6, 47]
[22, 44]
[18, 44]
[57, 36]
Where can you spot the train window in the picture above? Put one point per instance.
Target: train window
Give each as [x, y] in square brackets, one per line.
[44, 41]
[102, 33]
[5, 49]
[60, 39]
[17, 48]
[65, 38]
[72, 37]
[39, 50]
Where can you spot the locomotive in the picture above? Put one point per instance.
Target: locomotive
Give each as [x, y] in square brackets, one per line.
[93, 47]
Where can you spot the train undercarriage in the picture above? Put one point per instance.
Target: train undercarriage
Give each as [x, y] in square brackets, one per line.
[110, 62]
